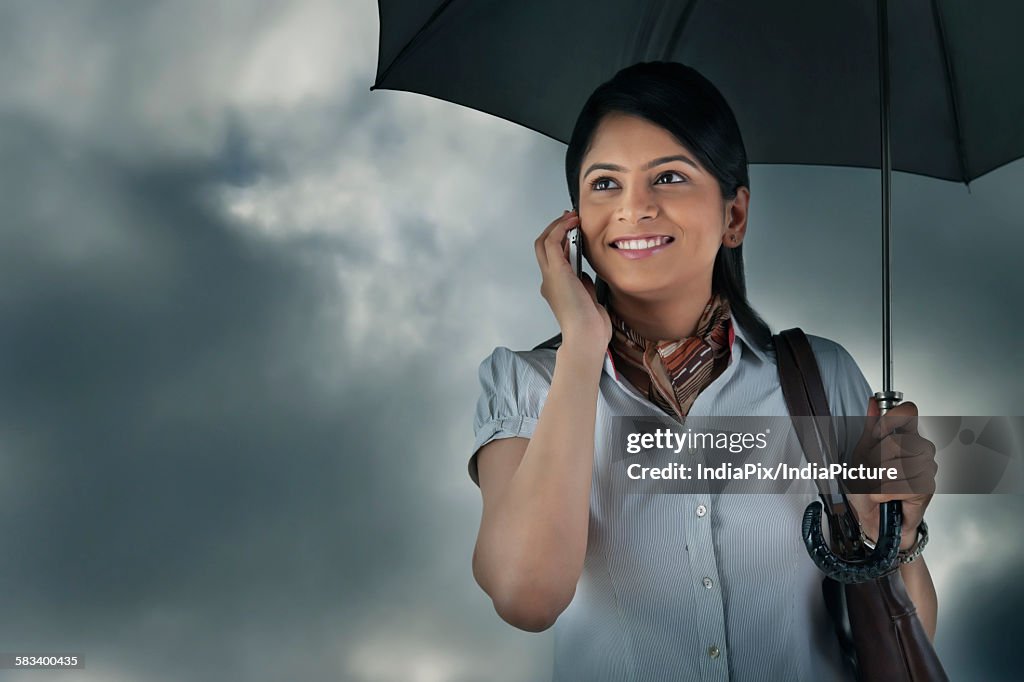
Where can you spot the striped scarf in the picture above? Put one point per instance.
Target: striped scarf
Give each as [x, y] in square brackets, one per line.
[678, 370]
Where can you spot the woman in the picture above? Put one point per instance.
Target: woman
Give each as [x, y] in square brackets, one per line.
[659, 587]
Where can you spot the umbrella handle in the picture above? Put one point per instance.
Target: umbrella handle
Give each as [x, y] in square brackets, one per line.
[882, 559]
[880, 562]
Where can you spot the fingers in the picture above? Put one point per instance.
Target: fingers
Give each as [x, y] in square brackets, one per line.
[902, 418]
[909, 452]
[912, 488]
[891, 442]
[902, 446]
[873, 410]
[906, 462]
[538, 243]
[550, 242]
[908, 492]
[556, 242]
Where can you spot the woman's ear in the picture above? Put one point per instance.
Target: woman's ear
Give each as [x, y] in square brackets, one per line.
[736, 218]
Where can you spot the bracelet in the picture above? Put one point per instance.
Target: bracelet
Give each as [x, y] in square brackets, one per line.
[905, 557]
[908, 555]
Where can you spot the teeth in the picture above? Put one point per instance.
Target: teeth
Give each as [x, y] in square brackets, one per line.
[638, 244]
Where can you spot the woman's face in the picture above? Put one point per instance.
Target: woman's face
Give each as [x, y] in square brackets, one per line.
[629, 189]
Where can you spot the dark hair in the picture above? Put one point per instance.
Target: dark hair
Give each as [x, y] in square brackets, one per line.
[679, 99]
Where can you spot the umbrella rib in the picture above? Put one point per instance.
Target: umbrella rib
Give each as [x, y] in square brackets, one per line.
[677, 30]
[951, 90]
[408, 46]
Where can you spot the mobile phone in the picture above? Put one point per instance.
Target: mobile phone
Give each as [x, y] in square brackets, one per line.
[576, 251]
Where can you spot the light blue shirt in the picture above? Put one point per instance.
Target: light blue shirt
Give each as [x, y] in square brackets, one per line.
[685, 586]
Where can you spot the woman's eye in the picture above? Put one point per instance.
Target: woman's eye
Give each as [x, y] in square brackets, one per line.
[596, 185]
[668, 173]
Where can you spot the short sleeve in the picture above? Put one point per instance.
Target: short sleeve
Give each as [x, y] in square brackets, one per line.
[848, 390]
[512, 395]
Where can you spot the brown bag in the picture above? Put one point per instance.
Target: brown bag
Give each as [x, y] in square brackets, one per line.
[880, 635]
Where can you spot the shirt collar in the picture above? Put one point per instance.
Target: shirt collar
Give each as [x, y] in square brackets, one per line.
[744, 336]
[736, 331]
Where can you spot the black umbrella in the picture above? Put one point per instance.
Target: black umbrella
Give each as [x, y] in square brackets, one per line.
[925, 88]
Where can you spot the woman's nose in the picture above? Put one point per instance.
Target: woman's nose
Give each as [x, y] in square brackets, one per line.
[637, 203]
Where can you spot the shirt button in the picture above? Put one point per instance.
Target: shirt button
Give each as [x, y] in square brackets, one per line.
[701, 510]
[713, 651]
[708, 583]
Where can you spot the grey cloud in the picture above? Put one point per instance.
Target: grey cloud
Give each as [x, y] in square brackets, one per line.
[981, 605]
[203, 464]
[151, 80]
[183, 470]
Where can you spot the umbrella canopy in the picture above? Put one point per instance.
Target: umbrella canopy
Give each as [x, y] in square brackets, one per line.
[802, 78]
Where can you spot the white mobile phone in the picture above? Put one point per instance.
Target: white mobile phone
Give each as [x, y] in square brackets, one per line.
[576, 251]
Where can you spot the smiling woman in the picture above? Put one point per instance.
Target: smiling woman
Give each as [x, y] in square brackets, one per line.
[703, 182]
[654, 587]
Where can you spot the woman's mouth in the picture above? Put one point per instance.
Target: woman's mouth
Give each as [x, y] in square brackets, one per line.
[641, 248]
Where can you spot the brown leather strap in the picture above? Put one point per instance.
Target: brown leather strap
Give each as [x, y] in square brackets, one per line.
[805, 391]
[808, 370]
[797, 376]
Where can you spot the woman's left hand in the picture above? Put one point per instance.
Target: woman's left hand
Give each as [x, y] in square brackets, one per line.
[892, 440]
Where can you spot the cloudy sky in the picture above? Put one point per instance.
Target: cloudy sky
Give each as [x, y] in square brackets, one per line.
[242, 305]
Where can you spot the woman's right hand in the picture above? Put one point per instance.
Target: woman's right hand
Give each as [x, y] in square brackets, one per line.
[584, 322]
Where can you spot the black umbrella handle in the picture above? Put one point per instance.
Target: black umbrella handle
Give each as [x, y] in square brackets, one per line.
[861, 567]
[882, 559]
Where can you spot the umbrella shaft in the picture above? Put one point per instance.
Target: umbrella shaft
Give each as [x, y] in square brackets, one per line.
[886, 168]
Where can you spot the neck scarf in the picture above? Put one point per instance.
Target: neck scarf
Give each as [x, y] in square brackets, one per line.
[679, 370]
